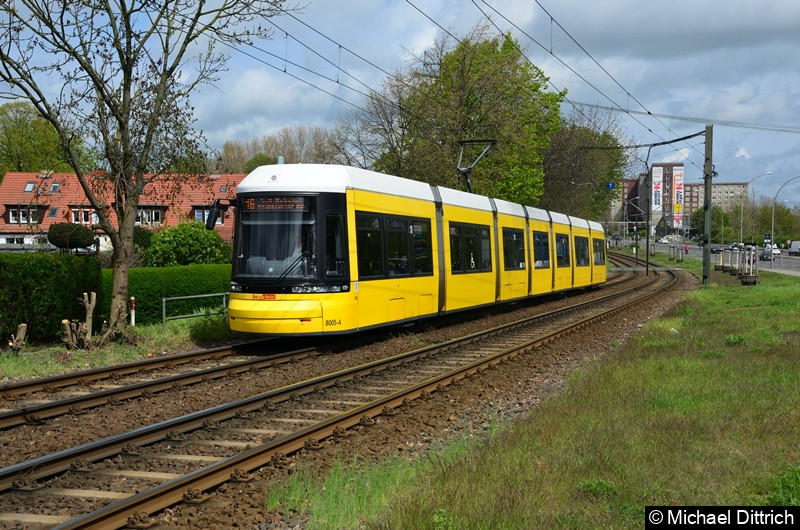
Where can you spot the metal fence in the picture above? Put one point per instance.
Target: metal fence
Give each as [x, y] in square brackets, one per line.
[164, 301]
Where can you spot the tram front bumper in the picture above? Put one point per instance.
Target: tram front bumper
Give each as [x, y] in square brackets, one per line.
[275, 317]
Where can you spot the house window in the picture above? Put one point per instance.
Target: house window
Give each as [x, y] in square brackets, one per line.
[52, 212]
[201, 214]
[84, 216]
[29, 187]
[54, 187]
[23, 216]
[148, 216]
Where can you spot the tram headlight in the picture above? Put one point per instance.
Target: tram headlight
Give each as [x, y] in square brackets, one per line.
[235, 287]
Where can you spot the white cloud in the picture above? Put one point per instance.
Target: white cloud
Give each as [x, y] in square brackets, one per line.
[731, 61]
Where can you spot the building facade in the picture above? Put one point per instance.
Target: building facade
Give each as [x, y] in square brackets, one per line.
[32, 202]
[670, 201]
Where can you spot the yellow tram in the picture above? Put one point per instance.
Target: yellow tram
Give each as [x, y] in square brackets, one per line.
[328, 249]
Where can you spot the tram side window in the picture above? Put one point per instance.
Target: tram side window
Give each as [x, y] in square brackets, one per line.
[456, 248]
[423, 249]
[369, 238]
[513, 249]
[562, 250]
[470, 248]
[407, 243]
[335, 249]
[541, 250]
[397, 239]
[582, 251]
[599, 251]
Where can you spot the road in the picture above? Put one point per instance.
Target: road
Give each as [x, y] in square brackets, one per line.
[783, 263]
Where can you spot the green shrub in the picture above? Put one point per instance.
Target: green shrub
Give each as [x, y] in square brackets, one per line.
[142, 237]
[41, 290]
[70, 236]
[148, 285]
[187, 244]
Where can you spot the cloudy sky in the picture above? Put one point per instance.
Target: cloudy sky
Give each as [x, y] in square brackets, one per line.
[668, 68]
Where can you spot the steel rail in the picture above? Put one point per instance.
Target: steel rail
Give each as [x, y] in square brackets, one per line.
[136, 509]
[39, 384]
[74, 405]
[58, 462]
[42, 467]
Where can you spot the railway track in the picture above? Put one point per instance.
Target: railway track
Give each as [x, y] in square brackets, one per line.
[34, 401]
[123, 479]
[40, 401]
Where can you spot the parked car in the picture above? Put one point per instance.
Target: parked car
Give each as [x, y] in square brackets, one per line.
[765, 255]
[715, 249]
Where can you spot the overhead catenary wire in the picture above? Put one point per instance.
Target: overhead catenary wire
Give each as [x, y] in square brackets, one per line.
[613, 107]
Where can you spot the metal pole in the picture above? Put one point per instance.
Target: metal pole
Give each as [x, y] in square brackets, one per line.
[708, 170]
[772, 228]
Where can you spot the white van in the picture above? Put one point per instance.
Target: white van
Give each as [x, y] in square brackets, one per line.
[794, 248]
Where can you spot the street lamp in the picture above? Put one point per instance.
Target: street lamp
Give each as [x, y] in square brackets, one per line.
[772, 229]
[626, 208]
[741, 210]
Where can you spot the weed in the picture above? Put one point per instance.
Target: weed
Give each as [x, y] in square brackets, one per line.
[786, 490]
[597, 488]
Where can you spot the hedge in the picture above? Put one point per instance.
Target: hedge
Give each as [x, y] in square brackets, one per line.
[148, 285]
[40, 290]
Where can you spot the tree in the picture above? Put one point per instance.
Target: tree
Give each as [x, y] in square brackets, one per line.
[478, 88]
[259, 160]
[584, 165]
[720, 229]
[298, 145]
[124, 79]
[187, 244]
[28, 142]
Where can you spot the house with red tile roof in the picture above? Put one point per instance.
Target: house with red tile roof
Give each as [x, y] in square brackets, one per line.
[31, 202]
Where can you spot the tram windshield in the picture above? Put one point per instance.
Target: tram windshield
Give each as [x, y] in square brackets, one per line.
[276, 239]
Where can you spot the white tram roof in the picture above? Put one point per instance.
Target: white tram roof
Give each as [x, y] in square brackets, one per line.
[596, 227]
[537, 214]
[288, 178]
[580, 223]
[464, 199]
[509, 208]
[560, 218]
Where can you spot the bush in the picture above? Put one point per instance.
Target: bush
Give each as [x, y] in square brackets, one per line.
[70, 236]
[142, 237]
[187, 244]
[148, 285]
[41, 289]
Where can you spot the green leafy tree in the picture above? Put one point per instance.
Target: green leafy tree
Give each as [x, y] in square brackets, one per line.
[28, 142]
[187, 244]
[127, 70]
[478, 88]
[258, 160]
[68, 236]
[720, 229]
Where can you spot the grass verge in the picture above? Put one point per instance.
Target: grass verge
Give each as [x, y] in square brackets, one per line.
[701, 408]
[143, 341]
